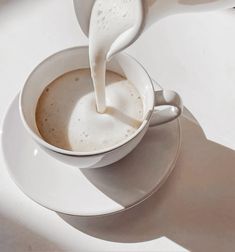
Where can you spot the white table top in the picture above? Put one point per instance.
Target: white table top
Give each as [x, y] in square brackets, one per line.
[192, 54]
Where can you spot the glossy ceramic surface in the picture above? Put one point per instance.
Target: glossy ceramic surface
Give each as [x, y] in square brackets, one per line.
[123, 64]
[82, 192]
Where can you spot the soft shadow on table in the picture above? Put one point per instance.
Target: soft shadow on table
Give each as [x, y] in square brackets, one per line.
[9, 5]
[195, 207]
[15, 237]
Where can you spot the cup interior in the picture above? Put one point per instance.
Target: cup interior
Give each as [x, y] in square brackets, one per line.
[73, 59]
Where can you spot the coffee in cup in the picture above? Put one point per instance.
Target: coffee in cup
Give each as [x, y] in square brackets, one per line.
[67, 117]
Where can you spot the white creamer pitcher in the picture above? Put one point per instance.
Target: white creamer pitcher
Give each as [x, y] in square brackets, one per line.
[150, 12]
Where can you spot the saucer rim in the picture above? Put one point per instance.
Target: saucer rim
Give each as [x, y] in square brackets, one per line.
[74, 213]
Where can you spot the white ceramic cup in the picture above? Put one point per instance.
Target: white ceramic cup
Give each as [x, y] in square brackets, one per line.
[123, 64]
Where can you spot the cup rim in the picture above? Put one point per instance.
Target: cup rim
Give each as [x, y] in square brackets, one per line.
[51, 147]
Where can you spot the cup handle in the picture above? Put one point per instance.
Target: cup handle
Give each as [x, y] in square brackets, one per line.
[169, 98]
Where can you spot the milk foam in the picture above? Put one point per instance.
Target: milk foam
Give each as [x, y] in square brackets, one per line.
[108, 20]
[66, 113]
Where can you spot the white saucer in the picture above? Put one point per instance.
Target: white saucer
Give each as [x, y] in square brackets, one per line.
[70, 190]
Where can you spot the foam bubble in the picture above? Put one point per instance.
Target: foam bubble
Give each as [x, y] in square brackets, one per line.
[99, 12]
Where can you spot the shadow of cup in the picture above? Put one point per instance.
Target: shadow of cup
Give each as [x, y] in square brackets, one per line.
[195, 207]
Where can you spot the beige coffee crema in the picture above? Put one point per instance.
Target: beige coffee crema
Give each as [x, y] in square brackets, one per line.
[66, 113]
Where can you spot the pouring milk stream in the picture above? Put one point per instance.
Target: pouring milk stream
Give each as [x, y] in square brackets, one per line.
[114, 25]
[109, 20]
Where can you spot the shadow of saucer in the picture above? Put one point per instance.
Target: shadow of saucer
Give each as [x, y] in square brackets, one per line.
[195, 207]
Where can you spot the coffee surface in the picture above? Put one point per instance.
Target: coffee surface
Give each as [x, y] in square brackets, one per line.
[67, 117]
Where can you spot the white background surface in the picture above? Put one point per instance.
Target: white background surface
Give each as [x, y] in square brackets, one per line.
[192, 54]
